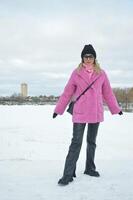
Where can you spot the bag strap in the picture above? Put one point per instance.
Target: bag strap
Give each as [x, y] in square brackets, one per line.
[86, 89]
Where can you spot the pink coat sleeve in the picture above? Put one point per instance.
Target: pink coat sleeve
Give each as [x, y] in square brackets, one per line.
[109, 97]
[66, 96]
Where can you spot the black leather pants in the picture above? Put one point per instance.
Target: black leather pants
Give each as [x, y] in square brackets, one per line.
[75, 147]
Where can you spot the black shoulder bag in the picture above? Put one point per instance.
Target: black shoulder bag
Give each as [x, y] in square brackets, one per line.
[71, 105]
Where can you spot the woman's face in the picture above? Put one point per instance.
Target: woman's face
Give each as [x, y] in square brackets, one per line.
[88, 59]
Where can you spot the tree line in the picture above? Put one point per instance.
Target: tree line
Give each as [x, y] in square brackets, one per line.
[124, 97]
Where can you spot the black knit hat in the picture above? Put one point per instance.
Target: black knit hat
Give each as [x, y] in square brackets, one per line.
[88, 49]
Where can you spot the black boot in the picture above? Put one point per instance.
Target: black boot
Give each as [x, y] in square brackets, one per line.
[92, 173]
[65, 180]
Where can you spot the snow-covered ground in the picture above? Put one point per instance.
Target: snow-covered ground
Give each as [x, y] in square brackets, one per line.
[33, 147]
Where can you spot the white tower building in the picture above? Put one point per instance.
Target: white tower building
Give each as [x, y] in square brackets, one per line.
[24, 89]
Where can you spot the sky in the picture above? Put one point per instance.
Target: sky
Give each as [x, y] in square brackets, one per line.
[41, 42]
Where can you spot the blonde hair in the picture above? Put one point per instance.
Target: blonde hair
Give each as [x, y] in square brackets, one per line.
[97, 67]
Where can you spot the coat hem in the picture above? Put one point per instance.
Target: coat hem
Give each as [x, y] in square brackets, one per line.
[86, 121]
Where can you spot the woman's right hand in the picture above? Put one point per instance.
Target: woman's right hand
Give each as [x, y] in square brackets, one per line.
[54, 115]
[120, 113]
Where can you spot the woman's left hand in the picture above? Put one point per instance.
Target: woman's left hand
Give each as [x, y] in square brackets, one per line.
[54, 115]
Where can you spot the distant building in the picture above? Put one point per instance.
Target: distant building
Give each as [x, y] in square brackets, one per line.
[24, 90]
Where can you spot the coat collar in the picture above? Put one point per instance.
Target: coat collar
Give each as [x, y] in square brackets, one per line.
[84, 75]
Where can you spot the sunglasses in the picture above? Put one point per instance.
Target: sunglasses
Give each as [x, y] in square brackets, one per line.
[88, 56]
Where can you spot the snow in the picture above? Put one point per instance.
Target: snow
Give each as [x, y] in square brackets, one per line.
[33, 148]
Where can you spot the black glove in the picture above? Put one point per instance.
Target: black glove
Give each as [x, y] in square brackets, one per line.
[120, 113]
[54, 115]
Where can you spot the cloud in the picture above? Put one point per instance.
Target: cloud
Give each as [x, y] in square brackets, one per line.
[42, 48]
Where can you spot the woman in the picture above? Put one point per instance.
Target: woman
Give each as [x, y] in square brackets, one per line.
[87, 110]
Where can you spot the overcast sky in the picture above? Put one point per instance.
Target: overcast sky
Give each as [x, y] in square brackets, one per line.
[41, 42]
